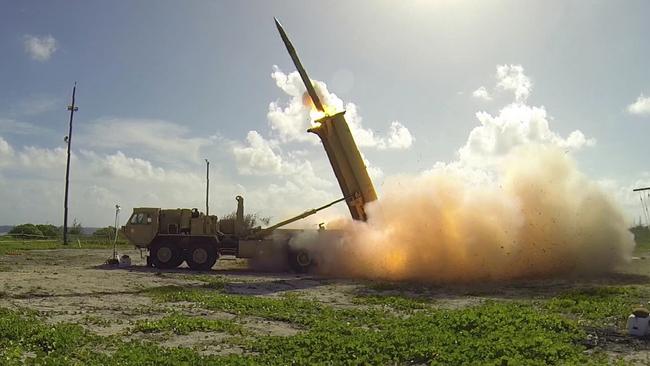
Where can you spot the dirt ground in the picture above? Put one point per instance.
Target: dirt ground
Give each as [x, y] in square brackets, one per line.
[73, 285]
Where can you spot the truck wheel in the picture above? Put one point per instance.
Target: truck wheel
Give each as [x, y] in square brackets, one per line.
[165, 255]
[201, 257]
[300, 261]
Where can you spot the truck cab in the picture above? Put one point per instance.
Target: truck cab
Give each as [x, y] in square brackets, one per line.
[142, 226]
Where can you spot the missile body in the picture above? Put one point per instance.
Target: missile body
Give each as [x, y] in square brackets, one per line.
[339, 144]
[301, 70]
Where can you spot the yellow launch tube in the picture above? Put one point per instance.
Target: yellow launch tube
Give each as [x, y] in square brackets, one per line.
[345, 158]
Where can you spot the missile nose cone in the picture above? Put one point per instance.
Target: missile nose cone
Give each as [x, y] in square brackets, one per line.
[301, 70]
[277, 24]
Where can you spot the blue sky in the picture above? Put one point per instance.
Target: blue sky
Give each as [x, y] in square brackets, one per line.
[164, 84]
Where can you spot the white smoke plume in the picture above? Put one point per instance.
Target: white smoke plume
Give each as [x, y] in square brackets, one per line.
[289, 122]
[514, 205]
[540, 217]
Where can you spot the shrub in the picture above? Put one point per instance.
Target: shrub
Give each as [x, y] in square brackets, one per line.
[26, 230]
[48, 230]
[105, 232]
[250, 220]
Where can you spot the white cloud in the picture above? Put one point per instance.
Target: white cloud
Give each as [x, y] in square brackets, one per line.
[641, 106]
[262, 157]
[291, 121]
[512, 77]
[122, 166]
[98, 182]
[481, 93]
[515, 125]
[257, 157]
[163, 140]
[375, 172]
[35, 105]
[43, 158]
[399, 137]
[40, 48]
[6, 152]
[11, 126]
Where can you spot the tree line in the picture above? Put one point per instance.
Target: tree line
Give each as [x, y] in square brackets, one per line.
[50, 231]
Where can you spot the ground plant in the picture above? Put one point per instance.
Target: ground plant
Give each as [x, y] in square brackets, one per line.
[379, 323]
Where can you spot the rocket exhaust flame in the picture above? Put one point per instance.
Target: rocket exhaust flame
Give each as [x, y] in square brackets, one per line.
[314, 112]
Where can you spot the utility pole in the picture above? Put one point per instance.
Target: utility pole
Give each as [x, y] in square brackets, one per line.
[68, 139]
[207, 186]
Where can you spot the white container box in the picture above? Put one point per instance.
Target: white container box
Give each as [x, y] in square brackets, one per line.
[637, 326]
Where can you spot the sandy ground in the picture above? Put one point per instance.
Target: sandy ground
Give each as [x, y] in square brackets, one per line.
[73, 285]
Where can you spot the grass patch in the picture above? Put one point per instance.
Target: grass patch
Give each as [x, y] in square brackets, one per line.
[395, 302]
[211, 282]
[22, 332]
[489, 333]
[26, 340]
[96, 321]
[184, 324]
[17, 246]
[495, 332]
[597, 305]
[290, 309]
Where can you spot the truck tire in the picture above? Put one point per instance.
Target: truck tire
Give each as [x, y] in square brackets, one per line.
[165, 255]
[201, 257]
[300, 261]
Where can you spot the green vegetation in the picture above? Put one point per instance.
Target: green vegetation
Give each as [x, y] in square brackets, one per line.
[35, 231]
[95, 320]
[387, 329]
[396, 329]
[184, 324]
[25, 340]
[491, 333]
[641, 237]
[49, 231]
[108, 233]
[597, 305]
[26, 231]
[45, 236]
[251, 220]
[391, 324]
[395, 302]
[10, 245]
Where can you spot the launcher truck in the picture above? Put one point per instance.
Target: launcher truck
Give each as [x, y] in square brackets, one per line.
[176, 235]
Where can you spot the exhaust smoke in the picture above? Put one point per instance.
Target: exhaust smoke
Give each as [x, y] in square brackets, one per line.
[514, 205]
[538, 217]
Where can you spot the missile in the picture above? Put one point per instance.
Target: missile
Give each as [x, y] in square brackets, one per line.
[301, 70]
